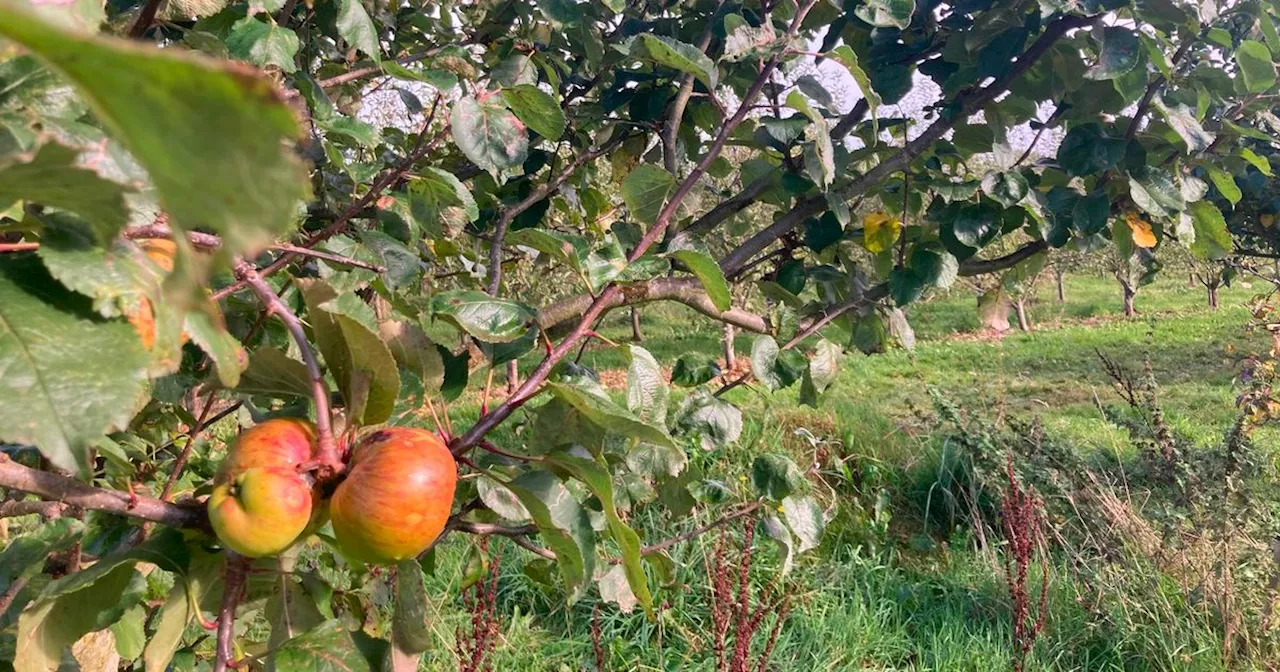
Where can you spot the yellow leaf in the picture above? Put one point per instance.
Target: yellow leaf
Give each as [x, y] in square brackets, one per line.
[1142, 234]
[1268, 219]
[879, 232]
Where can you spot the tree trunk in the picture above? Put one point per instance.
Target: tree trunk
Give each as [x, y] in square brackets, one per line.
[1020, 308]
[1129, 294]
[1059, 278]
[730, 356]
[513, 376]
[635, 326]
[1213, 297]
[1191, 279]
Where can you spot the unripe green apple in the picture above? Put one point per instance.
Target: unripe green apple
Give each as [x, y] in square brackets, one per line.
[396, 498]
[261, 511]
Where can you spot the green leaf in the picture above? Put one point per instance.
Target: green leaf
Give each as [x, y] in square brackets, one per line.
[562, 12]
[1007, 188]
[91, 599]
[678, 56]
[26, 553]
[489, 134]
[709, 274]
[51, 178]
[1154, 191]
[456, 372]
[1256, 68]
[742, 40]
[199, 588]
[355, 26]
[976, 225]
[598, 481]
[845, 56]
[656, 462]
[1259, 162]
[413, 350]
[263, 44]
[645, 190]
[1182, 120]
[603, 264]
[410, 621]
[148, 98]
[647, 391]
[775, 476]
[1213, 241]
[69, 377]
[487, 318]
[328, 647]
[130, 634]
[806, 519]
[1089, 214]
[1225, 183]
[359, 361]
[887, 13]
[612, 417]
[439, 202]
[562, 523]
[205, 328]
[115, 274]
[537, 109]
[1118, 54]
[764, 360]
[718, 423]
[273, 373]
[693, 369]
[1086, 149]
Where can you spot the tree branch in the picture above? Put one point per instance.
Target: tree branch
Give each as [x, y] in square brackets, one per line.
[688, 291]
[548, 188]
[68, 491]
[487, 422]
[384, 182]
[672, 126]
[328, 461]
[233, 589]
[964, 106]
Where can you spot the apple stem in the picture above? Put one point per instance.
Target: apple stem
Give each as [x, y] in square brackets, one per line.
[328, 462]
[236, 570]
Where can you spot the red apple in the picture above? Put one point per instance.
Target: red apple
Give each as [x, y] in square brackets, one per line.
[261, 502]
[396, 498]
[261, 511]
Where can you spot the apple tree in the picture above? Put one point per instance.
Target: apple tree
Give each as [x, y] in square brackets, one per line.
[340, 222]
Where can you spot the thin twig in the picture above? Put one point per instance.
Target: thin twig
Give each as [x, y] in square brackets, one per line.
[18, 247]
[181, 462]
[328, 461]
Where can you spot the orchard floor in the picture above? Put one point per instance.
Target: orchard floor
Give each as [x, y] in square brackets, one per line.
[883, 592]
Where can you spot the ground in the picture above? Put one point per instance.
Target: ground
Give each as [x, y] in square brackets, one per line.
[886, 591]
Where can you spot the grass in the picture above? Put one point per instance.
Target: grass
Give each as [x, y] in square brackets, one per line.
[886, 592]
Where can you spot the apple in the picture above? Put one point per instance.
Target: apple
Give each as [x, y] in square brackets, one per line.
[261, 511]
[278, 442]
[396, 498]
[262, 501]
[161, 253]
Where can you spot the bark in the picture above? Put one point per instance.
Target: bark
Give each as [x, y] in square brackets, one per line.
[1130, 293]
[1059, 281]
[1020, 308]
[730, 356]
[1191, 279]
[1213, 297]
[636, 335]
